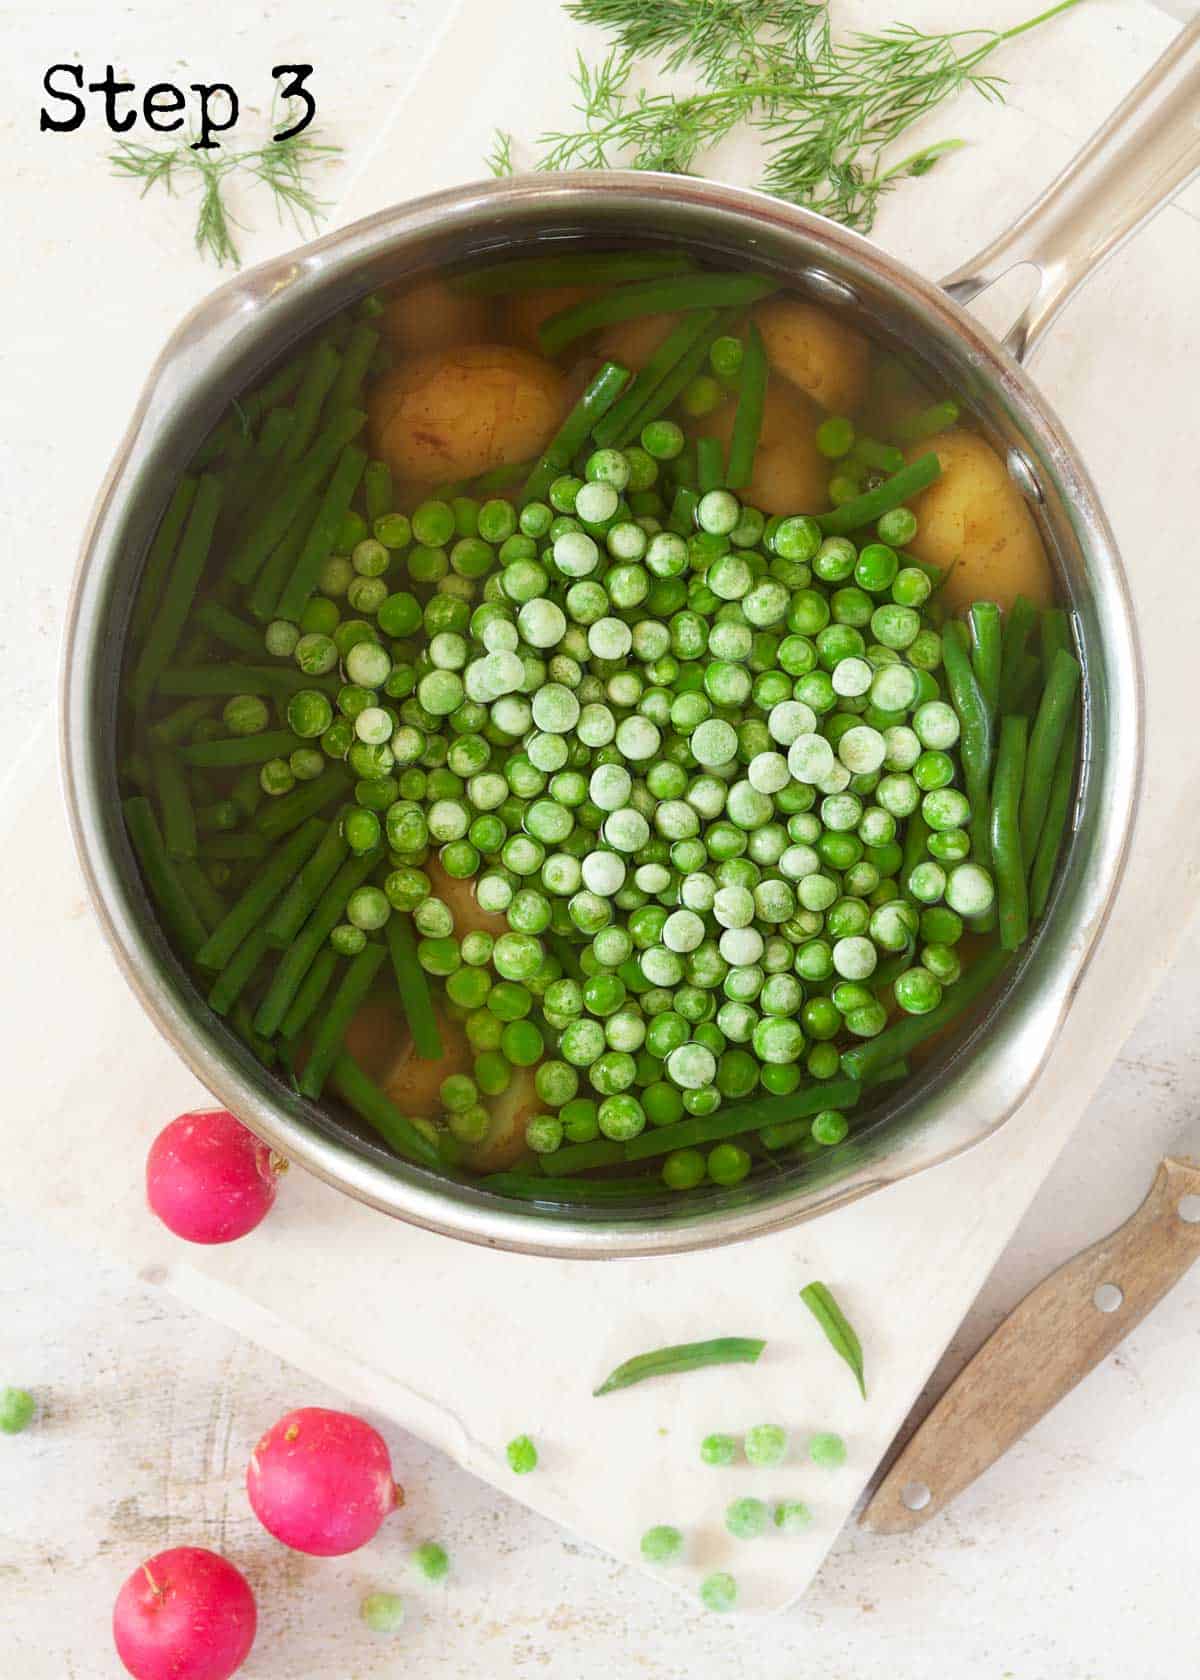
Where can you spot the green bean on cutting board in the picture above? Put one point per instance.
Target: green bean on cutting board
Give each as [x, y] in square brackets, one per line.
[686, 1356]
[839, 1332]
[600, 795]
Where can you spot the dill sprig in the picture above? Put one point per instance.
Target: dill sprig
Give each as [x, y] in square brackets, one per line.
[282, 166]
[500, 159]
[828, 111]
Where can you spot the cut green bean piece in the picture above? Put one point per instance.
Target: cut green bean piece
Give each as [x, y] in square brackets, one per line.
[866, 509]
[652, 297]
[235, 847]
[869, 1058]
[377, 489]
[742, 1117]
[307, 476]
[296, 905]
[1049, 727]
[166, 889]
[684, 1356]
[268, 585]
[217, 680]
[280, 816]
[319, 375]
[210, 905]
[179, 590]
[602, 391]
[158, 561]
[237, 973]
[928, 423]
[534, 1187]
[747, 423]
[630, 412]
[986, 651]
[975, 744]
[346, 389]
[170, 730]
[259, 897]
[710, 464]
[319, 545]
[839, 1332]
[316, 982]
[302, 952]
[1012, 896]
[237, 750]
[370, 1103]
[583, 1157]
[227, 627]
[327, 1041]
[1058, 810]
[1018, 626]
[676, 379]
[174, 804]
[414, 990]
[242, 1022]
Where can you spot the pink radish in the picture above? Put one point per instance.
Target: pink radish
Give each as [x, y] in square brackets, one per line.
[321, 1481]
[209, 1179]
[186, 1614]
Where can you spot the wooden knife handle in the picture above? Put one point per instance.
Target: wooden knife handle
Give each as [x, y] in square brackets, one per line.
[1045, 1346]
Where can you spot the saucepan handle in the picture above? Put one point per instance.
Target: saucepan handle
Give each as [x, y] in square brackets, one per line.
[1144, 154]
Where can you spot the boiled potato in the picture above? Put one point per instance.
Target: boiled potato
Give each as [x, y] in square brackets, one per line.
[452, 414]
[430, 315]
[632, 343]
[415, 1085]
[974, 522]
[527, 310]
[375, 1037]
[790, 474]
[815, 351]
[510, 1112]
[468, 915]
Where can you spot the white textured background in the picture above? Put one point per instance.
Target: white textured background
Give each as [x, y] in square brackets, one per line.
[1075, 1559]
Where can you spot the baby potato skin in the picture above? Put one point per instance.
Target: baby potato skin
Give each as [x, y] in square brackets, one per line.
[973, 522]
[469, 915]
[431, 315]
[510, 1111]
[632, 343]
[816, 352]
[526, 311]
[452, 414]
[790, 474]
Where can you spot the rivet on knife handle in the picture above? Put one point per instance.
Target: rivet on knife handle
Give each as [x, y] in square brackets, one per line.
[1047, 1344]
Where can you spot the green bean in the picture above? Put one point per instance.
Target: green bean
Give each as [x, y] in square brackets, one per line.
[1055, 634]
[710, 464]
[319, 376]
[170, 730]
[986, 651]
[678, 378]
[166, 889]
[916, 836]
[651, 297]
[377, 488]
[889, 970]
[210, 906]
[268, 585]
[250, 409]
[535, 1187]
[356, 359]
[328, 1038]
[685, 1356]
[242, 1023]
[250, 474]
[879, 457]
[178, 592]
[258, 897]
[217, 817]
[906, 1035]
[237, 973]
[1041, 875]
[236, 750]
[1049, 726]
[297, 903]
[240, 679]
[414, 989]
[742, 1117]
[629, 413]
[581, 268]
[601, 393]
[683, 511]
[928, 423]
[238, 848]
[227, 627]
[747, 422]
[246, 792]
[975, 745]
[1021, 619]
[583, 1157]
[315, 984]
[282, 814]
[301, 953]
[839, 1332]
[158, 561]
[307, 476]
[174, 804]
[866, 509]
[334, 506]
[1007, 866]
[370, 1103]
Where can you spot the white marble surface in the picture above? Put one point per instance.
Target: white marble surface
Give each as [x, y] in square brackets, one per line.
[150, 1407]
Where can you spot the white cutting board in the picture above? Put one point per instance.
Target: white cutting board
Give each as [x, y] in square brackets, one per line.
[468, 1348]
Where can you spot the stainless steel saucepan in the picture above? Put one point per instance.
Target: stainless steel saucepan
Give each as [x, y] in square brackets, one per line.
[1144, 154]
